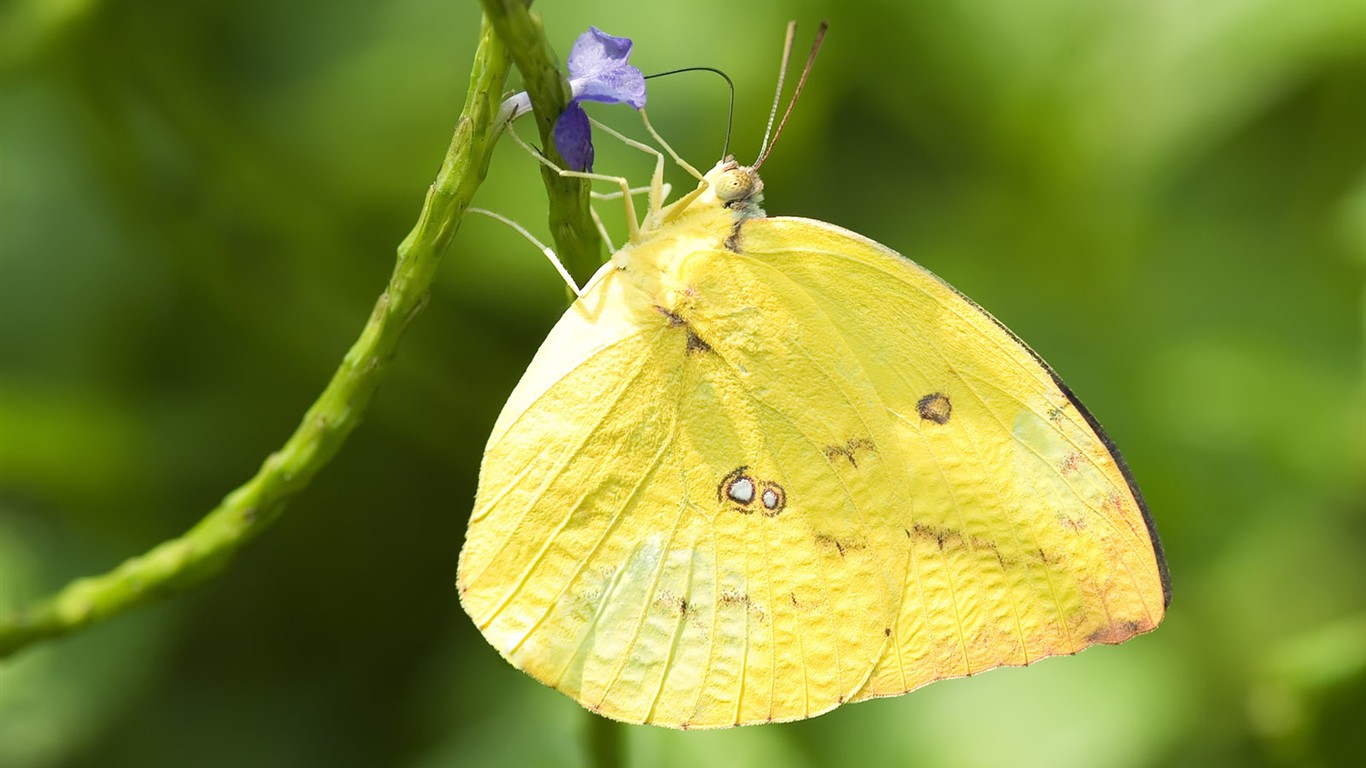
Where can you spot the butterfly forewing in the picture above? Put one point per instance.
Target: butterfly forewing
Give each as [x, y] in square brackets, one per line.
[1024, 536]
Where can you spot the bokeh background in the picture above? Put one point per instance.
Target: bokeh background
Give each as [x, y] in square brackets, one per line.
[199, 203]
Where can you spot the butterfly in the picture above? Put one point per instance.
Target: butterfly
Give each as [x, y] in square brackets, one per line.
[765, 466]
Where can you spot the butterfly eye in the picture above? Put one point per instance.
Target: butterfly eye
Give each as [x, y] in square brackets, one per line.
[735, 184]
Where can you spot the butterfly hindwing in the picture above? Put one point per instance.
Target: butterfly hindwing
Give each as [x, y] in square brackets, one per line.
[705, 541]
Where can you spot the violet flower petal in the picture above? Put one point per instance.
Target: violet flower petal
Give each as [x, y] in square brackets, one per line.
[598, 70]
[574, 139]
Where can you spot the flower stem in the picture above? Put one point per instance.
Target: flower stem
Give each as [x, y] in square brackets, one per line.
[180, 563]
[605, 740]
[576, 239]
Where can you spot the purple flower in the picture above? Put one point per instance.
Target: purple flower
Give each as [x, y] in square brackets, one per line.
[574, 137]
[597, 72]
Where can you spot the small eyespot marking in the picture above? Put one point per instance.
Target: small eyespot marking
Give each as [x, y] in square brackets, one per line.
[742, 490]
[774, 499]
[737, 487]
[935, 407]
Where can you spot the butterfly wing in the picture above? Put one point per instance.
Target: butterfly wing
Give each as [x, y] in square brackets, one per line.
[691, 530]
[749, 482]
[1024, 535]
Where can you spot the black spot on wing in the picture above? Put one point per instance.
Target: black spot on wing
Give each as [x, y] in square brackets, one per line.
[841, 546]
[946, 538]
[939, 535]
[674, 319]
[736, 598]
[677, 604]
[935, 407]
[850, 450]
[830, 541]
[696, 344]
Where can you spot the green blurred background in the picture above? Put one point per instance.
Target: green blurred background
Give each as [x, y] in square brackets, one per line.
[200, 202]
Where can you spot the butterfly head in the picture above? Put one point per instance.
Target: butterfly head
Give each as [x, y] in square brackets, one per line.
[737, 187]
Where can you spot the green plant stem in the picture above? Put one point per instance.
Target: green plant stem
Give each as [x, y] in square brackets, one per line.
[577, 242]
[605, 740]
[576, 239]
[175, 565]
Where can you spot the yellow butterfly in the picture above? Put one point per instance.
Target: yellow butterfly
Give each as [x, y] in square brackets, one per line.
[764, 466]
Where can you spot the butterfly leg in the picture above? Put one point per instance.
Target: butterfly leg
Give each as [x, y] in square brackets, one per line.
[632, 223]
[687, 199]
[634, 191]
[602, 230]
[597, 220]
[549, 254]
[684, 164]
[656, 179]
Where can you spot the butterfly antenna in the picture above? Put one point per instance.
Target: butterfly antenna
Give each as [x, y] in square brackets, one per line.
[730, 108]
[782, 77]
[801, 82]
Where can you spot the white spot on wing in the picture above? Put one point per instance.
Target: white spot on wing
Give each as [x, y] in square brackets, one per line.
[742, 490]
[770, 499]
